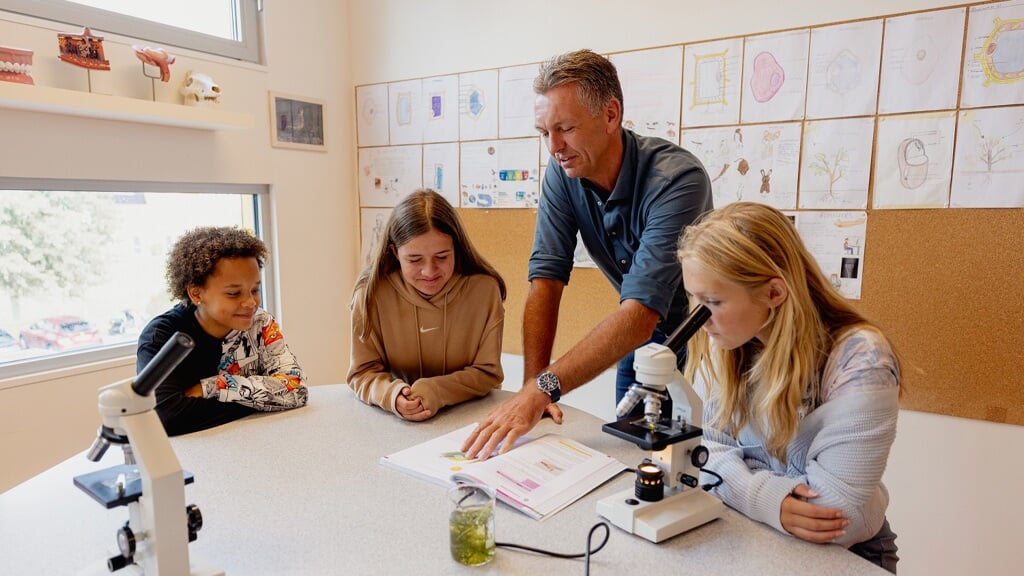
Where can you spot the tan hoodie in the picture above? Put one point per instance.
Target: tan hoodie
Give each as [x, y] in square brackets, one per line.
[447, 347]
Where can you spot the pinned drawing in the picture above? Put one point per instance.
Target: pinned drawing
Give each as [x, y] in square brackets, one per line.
[441, 170]
[372, 116]
[478, 112]
[833, 167]
[403, 108]
[920, 61]
[767, 77]
[650, 83]
[712, 82]
[843, 70]
[441, 124]
[912, 159]
[1002, 60]
[408, 113]
[710, 79]
[993, 72]
[989, 159]
[766, 181]
[836, 163]
[386, 175]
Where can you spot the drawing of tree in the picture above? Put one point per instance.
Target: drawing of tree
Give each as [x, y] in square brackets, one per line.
[990, 149]
[834, 168]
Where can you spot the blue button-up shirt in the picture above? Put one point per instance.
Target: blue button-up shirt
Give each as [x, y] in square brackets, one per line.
[631, 236]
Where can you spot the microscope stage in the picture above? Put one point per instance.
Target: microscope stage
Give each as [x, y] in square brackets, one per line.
[668, 433]
[102, 485]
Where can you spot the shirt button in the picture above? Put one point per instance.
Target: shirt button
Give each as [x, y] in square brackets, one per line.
[623, 262]
[613, 232]
[599, 203]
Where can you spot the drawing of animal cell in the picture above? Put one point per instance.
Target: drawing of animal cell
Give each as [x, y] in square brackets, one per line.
[710, 79]
[370, 110]
[1002, 54]
[767, 77]
[912, 160]
[922, 56]
[843, 72]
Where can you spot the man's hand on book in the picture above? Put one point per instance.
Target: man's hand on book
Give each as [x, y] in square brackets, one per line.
[510, 421]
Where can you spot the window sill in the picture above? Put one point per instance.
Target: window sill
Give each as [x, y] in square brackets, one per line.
[70, 102]
[68, 365]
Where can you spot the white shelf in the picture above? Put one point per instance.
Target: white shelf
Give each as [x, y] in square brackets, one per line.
[70, 102]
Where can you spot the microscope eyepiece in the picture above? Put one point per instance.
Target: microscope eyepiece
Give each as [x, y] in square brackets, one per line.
[677, 340]
[166, 360]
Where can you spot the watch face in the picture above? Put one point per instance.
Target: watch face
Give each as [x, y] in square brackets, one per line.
[547, 381]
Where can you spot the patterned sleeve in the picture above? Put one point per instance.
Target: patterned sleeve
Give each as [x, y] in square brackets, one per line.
[258, 370]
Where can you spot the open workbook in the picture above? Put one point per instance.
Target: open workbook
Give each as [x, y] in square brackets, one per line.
[539, 477]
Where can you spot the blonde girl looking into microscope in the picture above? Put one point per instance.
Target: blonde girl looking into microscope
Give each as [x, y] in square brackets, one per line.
[427, 314]
[800, 390]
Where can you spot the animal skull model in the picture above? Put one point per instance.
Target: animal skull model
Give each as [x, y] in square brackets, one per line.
[200, 90]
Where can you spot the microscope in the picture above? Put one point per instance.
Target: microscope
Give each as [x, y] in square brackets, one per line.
[667, 498]
[154, 541]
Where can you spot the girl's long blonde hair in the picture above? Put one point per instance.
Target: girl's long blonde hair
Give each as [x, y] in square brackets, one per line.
[767, 385]
[418, 213]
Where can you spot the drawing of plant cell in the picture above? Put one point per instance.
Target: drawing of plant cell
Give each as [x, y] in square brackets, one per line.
[436, 106]
[710, 79]
[403, 108]
[843, 72]
[475, 103]
[912, 160]
[1002, 54]
[767, 78]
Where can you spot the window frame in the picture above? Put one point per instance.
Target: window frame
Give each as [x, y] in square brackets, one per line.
[78, 358]
[250, 12]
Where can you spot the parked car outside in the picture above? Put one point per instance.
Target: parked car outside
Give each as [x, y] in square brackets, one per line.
[8, 342]
[60, 333]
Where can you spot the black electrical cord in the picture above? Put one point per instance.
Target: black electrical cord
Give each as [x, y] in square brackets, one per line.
[590, 549]
[707, 487]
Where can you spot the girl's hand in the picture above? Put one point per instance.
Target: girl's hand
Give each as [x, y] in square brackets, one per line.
[809, 521]
[410, 409]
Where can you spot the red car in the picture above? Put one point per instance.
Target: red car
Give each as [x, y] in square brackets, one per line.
[60, 333]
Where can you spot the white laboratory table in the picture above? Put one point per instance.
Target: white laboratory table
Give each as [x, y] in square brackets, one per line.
[302, 492]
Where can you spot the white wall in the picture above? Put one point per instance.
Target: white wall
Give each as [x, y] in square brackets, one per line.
[46, 418]
[953, 482]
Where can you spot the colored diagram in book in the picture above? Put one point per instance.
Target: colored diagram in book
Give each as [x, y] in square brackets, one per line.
[843, 72]
[1002, 53]
[912, 161]
[922, 56]
[403, 108]
[710, 79]
[767, 77]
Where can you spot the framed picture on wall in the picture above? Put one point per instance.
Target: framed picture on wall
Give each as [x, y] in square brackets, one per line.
[297, 122]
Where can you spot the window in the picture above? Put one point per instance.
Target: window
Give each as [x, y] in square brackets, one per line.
[82, 266]
[228, 28]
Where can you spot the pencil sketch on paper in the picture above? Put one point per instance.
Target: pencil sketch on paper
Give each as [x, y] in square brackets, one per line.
[767, 77]
[843, 72]
[833, 167]
[710, 79]
[912, 160]
[403, 108]
[1002, 60]
[923, 56]
[475, 102]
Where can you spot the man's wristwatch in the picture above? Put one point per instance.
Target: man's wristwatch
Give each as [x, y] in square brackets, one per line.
[549, 384]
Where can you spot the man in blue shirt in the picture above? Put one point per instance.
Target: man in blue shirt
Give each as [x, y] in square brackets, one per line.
[630, 198]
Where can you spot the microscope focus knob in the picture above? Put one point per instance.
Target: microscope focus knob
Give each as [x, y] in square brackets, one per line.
[195, 521]
[126, 541]
[699, 456]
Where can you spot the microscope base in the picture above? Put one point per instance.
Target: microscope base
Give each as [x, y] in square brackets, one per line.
[198, 567]
[657, 521]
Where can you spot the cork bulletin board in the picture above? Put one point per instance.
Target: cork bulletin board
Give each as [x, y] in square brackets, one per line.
[945, 284]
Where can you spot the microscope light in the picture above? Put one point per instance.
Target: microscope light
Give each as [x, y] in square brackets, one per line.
[649, 485]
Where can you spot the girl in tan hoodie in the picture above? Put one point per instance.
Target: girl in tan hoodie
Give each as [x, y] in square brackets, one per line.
[427, 314]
